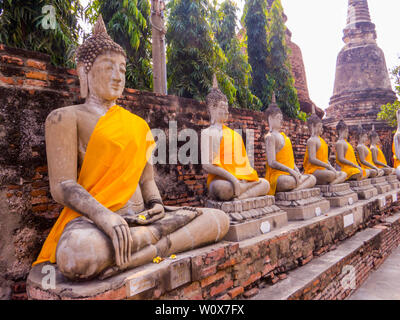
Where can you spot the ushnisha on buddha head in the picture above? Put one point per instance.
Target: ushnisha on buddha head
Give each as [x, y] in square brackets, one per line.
[217, 104]
[101, 65]
[274, 115]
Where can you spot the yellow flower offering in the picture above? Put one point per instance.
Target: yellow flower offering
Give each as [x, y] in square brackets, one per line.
[173, 256]
[157, 260]
[142, 217]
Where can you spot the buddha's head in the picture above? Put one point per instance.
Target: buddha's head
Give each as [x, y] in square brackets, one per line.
[274, 115]
[362, 135]
[342, 129]
[101, 65]
[217, 104]
[315, 125]
[374, 137]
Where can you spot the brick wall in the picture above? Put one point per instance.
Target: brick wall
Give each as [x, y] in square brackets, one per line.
[30, 88]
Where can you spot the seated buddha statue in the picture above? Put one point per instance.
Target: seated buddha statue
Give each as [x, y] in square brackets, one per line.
[316, 159]
[364, 154]
[378, 158]
[100, 169]
[396, 147]
[281, 170]
[345, 156]
[224, 156]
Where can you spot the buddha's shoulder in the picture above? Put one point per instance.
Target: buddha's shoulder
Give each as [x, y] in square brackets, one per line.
[62, 114]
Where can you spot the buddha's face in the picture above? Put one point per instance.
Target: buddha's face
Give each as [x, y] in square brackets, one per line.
[363, 138]
[219, 112]
[275, 121]
[375, 140]
[106, 78]
[317, 129]
[344, 133]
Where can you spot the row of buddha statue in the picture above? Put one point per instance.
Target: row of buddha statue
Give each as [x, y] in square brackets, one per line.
[100, 170]
[282, 174]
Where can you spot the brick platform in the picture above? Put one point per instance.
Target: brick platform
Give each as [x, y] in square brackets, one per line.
[227, 269]
[251, 217]
[302, 204]
[339, 195]
[381, 184]
[364, 189]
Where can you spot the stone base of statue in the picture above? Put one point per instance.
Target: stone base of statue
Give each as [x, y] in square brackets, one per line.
[251, 217]
[339, 195]
[393, 181]
[302, 204]
[381, 184]
[364, 189]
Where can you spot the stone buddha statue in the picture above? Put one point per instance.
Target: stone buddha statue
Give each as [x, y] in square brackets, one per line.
[396, 146]
[99, 159]
[345, 156]
[364, 154]
[316, 159]
[378, 158]
[281, 170]
[224, 157]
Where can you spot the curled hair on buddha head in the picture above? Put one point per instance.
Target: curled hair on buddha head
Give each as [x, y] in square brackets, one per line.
[273, 109]
[373, 133]
[215, 95]
[99, 43]
[341, 126]
[313, 119]
[361, 131]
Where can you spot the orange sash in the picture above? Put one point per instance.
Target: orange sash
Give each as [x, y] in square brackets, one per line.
[322, 155]
[285, 157]
[116, 155]
[233, 158]
[351, 156]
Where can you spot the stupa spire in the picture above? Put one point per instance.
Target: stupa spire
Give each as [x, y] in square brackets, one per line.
[358, 11]
[359, 24]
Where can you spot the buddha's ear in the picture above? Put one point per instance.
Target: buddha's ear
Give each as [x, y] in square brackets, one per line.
[83, 79]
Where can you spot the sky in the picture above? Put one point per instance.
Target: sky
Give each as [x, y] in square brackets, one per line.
[317, 28]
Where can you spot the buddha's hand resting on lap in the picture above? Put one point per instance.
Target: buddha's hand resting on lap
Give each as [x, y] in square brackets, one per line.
[118, 231]
[297, 176]
[146, 217]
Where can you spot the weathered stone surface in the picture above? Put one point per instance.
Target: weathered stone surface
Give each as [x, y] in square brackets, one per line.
[381, 184]
[364, 189]
[339, 195]
[393, 181]
[302, 204]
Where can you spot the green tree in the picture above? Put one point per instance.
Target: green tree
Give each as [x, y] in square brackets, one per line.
[256, 24]
[237, 66]
[388, 111]
[128, 24]
[193, 55]
[21, 27]
[278, 64]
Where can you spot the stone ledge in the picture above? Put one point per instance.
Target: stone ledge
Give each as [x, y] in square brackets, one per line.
[226, 267]
[304, 277]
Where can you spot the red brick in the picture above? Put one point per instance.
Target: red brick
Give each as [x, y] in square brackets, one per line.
[251, 293]
[7, 80]
[211, 279]
[221, 288]
[36, 64]
[72, 72]
[35, 83]
[253, 278]
[282, 276]
[36, 193]
[235, 292]
[36, 75]
[224, 297]
[227, 264]
[11, 60]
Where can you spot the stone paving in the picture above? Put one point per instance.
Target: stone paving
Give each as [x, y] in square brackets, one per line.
[384, 283]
